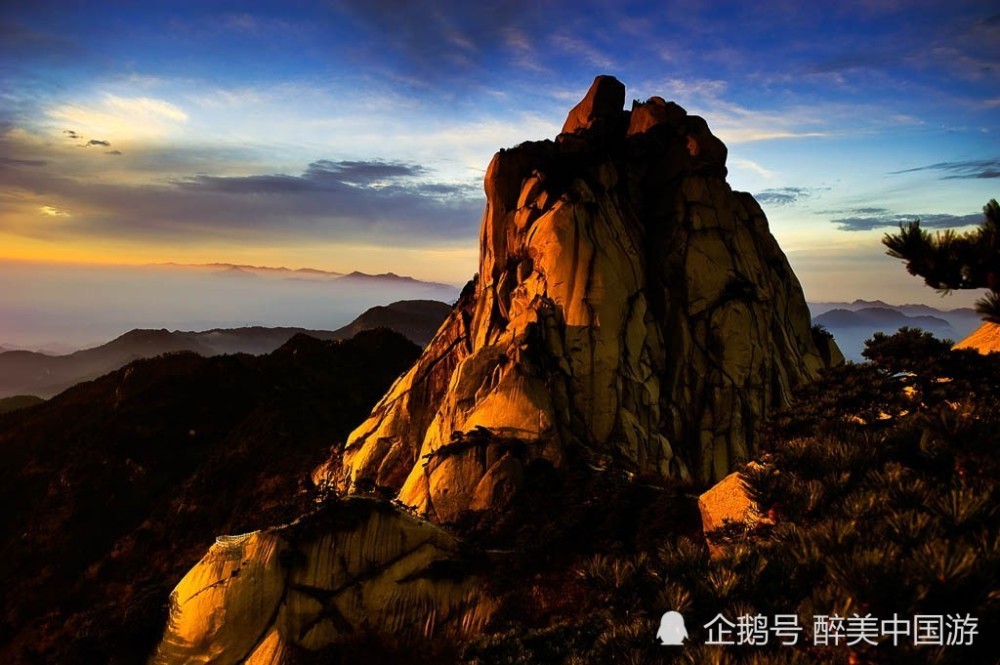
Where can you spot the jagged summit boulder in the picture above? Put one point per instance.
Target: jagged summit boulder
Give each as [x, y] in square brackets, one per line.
[603, 103]
[629, 308]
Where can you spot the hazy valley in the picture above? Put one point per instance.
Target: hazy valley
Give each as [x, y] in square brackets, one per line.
[61, 308]
[44, 374]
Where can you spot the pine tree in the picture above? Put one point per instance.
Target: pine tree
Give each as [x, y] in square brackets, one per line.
[948, 260]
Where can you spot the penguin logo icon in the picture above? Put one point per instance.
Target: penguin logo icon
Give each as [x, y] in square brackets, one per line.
[672, 631]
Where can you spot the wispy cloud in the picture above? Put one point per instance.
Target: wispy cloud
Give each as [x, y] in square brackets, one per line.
[871, 59]
[9, 161]
[961, 170]
[238, 98]
[870, 218]
[383, 202]
[782, 195]
[441, 41]
[522, 50]
[122, 118]
[145, 107]
[52, 211]
[325, 175]
[735, 123]
[573, 45]
[752, 166]
[366, 172]
[242, 23]
[691, 88]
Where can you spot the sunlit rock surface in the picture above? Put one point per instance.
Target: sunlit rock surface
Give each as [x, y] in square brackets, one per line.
[629, 306]
[357, 565]
[727, 500]
[985, 339]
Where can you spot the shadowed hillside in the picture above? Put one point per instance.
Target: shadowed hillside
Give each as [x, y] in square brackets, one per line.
[110, 491]
[877, 494]
[27, 372]
[16, 402]
[417, 320]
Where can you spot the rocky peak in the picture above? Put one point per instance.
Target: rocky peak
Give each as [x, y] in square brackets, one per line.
[631, 313]
[630, 308]
[602, 104]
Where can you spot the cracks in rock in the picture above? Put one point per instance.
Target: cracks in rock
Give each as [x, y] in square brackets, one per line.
[422, 377]
[327, 597]
[329, 612]
[222, 582]
[636, 206]
[269, 624]
[479, 439]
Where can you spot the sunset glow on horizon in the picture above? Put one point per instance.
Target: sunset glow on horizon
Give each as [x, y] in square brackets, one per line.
[346, 136]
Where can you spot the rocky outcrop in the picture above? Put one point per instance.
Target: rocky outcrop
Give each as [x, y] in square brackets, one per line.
[629, 307]
[630, 311]
[984, 339]
[359, 565]
[728, 501]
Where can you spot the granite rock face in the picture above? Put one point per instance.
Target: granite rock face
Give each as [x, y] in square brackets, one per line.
[268, 596]
[629, 307]
[630, 310]
[728, 500]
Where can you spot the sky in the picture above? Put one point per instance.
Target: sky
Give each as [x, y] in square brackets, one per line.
[355, 135]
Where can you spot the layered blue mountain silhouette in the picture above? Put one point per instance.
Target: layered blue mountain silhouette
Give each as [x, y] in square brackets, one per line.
[854, 322]
[44, 375]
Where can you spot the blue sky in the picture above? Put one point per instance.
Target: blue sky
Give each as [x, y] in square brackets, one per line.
[350, 135]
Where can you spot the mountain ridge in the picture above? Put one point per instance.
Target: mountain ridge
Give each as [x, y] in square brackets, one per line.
[293, 273]
[44, 375]
[149, 461]
[852, 323]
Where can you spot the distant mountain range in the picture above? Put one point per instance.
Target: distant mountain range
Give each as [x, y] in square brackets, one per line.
[42, 375]
[75, 307]
[244, 270]
[280, 271]
[388, 277]
[51, 348]
[852, 323]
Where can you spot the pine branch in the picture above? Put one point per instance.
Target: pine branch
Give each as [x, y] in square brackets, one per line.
[948, 260]
[988, 307]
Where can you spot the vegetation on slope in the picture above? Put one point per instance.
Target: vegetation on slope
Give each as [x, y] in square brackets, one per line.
[880, 490]
[111, 491]
[17, 402]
